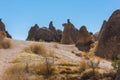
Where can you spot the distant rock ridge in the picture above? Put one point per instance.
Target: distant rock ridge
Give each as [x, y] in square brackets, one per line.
[2, 28]
[46, 34]
[109, 37]
[81, 38]
[70, 35]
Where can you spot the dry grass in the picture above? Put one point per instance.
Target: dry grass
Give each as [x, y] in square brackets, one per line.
[91, 54]
[31, 70]
[36, 49]
[5, 44]
[56, 45]
[98, 75]
[26, 57]
[16, 72]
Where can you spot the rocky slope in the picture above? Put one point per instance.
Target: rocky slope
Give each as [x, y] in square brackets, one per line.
[65, 52]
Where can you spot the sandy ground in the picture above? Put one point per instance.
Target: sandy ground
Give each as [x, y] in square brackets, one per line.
[64, 51]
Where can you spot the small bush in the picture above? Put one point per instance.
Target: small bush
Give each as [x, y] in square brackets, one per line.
[56, 45]
[36, 49]
[5, 44]
[89, 75]
[30, 71]
[15, 72]
[116, 63]
[46, 69]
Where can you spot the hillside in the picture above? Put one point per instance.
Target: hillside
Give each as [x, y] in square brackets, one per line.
[64, 54]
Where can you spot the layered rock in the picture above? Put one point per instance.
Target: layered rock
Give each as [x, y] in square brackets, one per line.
[84, 39]
[2, 28]
[70, 33]
[109, 38]
[45, 34]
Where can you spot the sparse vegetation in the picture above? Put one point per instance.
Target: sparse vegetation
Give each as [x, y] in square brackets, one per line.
[38, 63]
[56, 46]
[16, 72]
[5, 44]
[116, 63]
[36, 49]
[32, 70]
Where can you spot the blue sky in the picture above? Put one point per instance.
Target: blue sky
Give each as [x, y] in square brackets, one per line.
[20, 15]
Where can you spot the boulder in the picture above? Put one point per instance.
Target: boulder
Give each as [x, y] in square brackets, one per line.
[84, 39]
[109, 38]
[2, 28]
[70, 33]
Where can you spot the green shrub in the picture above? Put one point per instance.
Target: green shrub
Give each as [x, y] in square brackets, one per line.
[116, 63]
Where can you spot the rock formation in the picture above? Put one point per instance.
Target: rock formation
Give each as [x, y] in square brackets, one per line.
[109, 38]
[118, 74]
[2, 35]
[96, 36]
[84, 39]
[70, 33]
[57, 33]
[32, 32]
[2, 28]
[45, 34]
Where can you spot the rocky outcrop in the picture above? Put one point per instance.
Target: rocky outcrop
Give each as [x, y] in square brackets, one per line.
[2, 35]
[32, 32]
[44, 34]
[57, 33]
[70, 33]
[2, 28]
[109, 38]
[84, 39]
[118, 74]
[96, 36]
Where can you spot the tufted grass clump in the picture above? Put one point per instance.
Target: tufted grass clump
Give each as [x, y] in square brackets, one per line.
[5, 44]
[36, 49]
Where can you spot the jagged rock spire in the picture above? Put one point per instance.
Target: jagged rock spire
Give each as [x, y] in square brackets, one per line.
[68, 21]
[51, 27]
[0, 19]
[51, 23]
